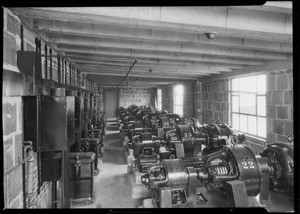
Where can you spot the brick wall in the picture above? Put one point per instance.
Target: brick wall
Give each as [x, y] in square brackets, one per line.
[137, 96]
[12, 114]
[188, 99]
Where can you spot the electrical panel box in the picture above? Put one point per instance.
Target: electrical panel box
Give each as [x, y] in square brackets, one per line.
[71, 120]
[78, 111]
[32, 120]
[29, 62]
[54, 123]
[49, 122]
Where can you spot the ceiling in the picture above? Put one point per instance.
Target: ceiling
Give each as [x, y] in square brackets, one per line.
[169, 43]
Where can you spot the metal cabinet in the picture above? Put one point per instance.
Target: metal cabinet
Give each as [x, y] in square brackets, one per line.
[29, 62]
[54, 123]
[81, 176]
[70, 120]
[32, 120]
[78, 111]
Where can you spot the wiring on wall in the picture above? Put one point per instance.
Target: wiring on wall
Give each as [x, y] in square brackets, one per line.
[127, 72]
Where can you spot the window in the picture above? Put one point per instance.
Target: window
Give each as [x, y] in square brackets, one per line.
[248, 105]
[178, 99]
[159, 100]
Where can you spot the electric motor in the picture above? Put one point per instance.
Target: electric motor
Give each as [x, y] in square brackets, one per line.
[219, 135]
[214, 170]
[169, 173]
[145, 149]
[249, 168]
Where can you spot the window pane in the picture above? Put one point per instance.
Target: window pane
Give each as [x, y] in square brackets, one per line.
[261, 126]
[261, 84]
[261, 105]
[252, 125]
[180, 110]
[243, 123]
[235, 84]
[235, 103]
[236, 121]
[248, 84]
[159, 106]
[178, 89]
[158, 92]
[247, 103]
[179, 100]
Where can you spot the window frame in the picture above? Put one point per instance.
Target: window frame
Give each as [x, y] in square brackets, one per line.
[237, 93]
[175, 95]
[159, 99]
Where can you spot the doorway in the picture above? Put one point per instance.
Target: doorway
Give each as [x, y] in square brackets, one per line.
[111, 102]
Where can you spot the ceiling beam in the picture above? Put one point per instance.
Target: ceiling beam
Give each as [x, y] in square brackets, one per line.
[152, 62]
[285, 7]
[268, 67]
[78, 45]
[125, 55]
[154, 70]
[230, 22]
[144, 76]
[150, 65]
[62, 28]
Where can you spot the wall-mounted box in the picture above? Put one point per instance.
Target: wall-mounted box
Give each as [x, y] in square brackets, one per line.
[29, 62]
[54, 123]
[71, 120]
[78, 111]
[45, 122]
[32, 120]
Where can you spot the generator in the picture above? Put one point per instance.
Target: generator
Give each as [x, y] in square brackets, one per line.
[160, 126]
[233, 170]
[183, 140]
[280, 158]
[146, 149]
[219, 135]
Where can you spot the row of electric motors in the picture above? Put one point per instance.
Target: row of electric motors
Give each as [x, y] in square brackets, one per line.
[179, 155]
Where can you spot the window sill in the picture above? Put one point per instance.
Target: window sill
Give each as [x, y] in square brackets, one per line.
[255, 140]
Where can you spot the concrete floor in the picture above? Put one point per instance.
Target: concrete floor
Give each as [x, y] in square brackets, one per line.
[112, 188]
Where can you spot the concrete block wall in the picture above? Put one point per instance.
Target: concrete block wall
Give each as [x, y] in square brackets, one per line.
[212, 104]
[153, 97]
[280, 109]
[136, 96]
[12, 150]
[167, 98]
[212, 101]
[198, 100]
[188, 99]
[12, 114]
